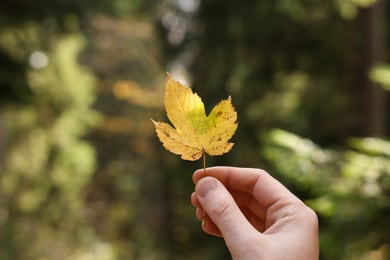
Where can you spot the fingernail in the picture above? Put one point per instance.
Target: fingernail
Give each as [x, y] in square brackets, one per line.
[205, 185]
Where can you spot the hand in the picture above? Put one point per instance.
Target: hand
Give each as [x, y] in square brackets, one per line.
[255, 214]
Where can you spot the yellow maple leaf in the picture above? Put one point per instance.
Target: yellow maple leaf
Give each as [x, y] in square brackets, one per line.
[194, 132]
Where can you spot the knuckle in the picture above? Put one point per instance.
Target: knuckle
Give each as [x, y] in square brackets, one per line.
[312, 217]
[222, 209]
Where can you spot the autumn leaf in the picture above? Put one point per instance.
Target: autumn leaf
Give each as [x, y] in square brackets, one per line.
[194, 133]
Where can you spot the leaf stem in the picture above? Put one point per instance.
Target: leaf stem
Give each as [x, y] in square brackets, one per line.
[204, 175]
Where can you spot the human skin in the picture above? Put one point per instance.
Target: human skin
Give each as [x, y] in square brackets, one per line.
[255, 214]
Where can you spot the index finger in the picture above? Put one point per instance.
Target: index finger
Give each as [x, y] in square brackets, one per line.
[263, 187]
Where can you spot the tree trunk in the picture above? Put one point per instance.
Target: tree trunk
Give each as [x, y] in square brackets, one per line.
[375, 97]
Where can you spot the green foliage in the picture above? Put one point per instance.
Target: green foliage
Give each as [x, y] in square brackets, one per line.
[381, 75]
[349, 8]
[47, 164]
[349, 189]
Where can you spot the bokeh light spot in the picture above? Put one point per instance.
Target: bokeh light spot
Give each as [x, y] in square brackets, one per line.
[38, 60]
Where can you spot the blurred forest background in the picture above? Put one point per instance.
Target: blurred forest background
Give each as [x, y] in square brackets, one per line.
[82, 173]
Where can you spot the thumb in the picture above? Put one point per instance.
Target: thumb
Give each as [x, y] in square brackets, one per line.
[223, 210]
